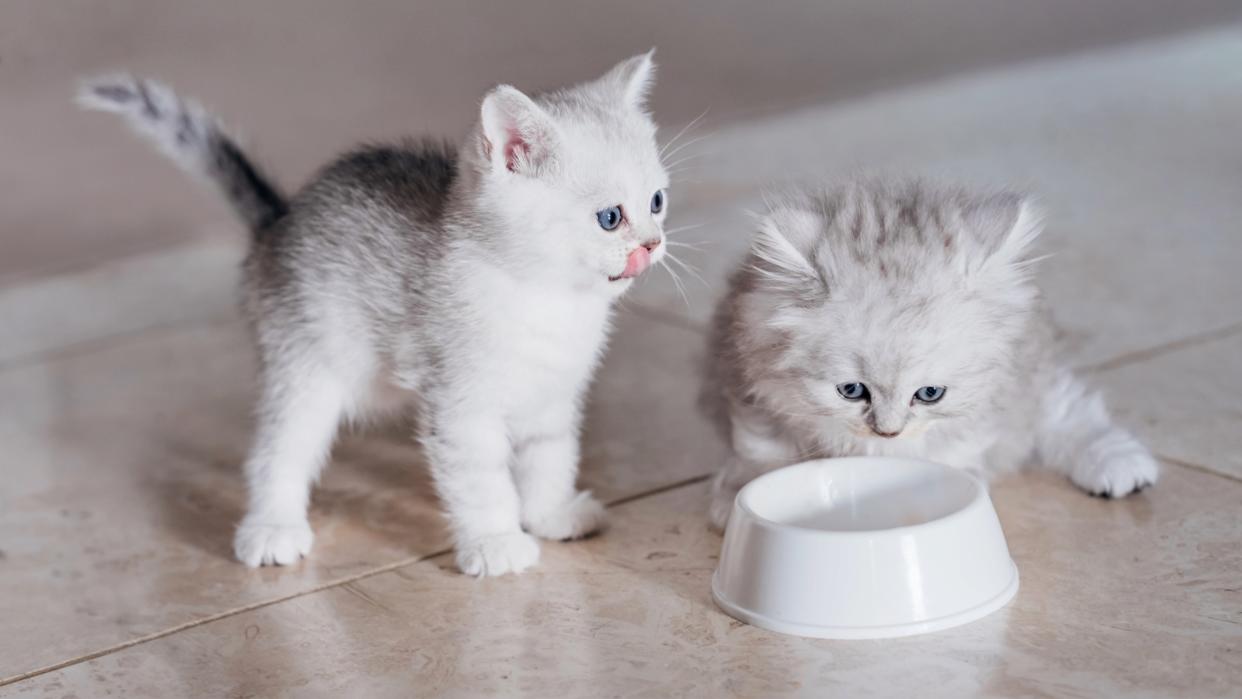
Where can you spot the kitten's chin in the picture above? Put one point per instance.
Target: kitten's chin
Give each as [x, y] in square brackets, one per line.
[616, 286]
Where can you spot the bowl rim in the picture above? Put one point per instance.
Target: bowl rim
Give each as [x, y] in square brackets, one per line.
[877, 631]
[977, 500]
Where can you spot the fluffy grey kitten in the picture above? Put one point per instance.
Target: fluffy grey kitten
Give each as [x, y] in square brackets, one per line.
[901, 318]
[473, 283]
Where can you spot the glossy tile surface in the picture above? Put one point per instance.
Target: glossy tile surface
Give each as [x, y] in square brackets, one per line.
[176, 287]
[1186, 404]
[629, 614]
[123, 486]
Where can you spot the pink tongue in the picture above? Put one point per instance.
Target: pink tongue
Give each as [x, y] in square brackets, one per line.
[638, 261]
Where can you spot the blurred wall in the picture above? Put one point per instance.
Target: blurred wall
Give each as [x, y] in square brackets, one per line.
[302, 79]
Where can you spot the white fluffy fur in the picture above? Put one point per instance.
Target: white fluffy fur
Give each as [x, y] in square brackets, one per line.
[899, 285]
[487, 310]
[529, 286]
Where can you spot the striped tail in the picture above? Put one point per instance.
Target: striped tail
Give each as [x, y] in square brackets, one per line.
[193, 139]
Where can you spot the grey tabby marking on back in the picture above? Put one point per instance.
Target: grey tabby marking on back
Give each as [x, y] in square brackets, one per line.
[901, 318]
[473, 284]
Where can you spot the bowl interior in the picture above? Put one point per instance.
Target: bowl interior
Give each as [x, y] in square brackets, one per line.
[859, 494]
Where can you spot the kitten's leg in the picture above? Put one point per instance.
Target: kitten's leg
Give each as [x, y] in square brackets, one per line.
[735, 473]
[298, 419]
[469, 452]
[759, 446]
[545, 469]
[1077, 437]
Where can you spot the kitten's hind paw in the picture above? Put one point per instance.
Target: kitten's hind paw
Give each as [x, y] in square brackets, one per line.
[582, 516]
[1115, 466]
[497, 555]
[281, 544]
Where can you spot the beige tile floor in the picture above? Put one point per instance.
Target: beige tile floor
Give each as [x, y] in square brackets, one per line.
[629, 614]
[125, 388]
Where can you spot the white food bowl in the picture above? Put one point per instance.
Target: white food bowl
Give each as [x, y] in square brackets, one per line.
[863, 547]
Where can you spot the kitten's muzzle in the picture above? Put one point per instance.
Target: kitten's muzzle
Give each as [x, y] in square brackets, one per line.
[638, 261]
[885, 425]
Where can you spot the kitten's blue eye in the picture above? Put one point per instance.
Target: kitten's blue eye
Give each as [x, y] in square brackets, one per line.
[853, 391]
[609, 218]
[929, 394]
[657, 201]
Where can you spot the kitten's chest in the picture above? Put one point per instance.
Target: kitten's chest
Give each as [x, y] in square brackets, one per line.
[549, 341]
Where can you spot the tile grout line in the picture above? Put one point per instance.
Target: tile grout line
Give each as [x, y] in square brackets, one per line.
[1191, 466]
[203, 235]
[395, 565]
[1155, 351]
[342, 582]
[217, 617]
[627, 499]
[659, 490]
[104, 342]
[639, 309]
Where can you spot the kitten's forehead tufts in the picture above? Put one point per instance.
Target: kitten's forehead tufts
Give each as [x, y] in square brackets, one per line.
[901, 233]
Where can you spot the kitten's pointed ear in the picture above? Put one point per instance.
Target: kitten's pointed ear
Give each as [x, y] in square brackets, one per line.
[782, 249]
[633, 78]
[518, 135]
[1009, 225]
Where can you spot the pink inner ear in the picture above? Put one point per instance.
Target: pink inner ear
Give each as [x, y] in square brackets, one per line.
[514, 148]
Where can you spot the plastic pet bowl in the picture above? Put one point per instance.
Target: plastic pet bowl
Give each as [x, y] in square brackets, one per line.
[864, 547]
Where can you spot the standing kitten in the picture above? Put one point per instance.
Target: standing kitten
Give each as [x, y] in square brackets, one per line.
[478, 281]
[901, 319]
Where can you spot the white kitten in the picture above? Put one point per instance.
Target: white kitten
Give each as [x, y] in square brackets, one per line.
[898, 318]
[476, 283]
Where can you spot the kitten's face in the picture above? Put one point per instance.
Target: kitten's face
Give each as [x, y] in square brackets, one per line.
[885, 320]
[578, 174]
[884, 367]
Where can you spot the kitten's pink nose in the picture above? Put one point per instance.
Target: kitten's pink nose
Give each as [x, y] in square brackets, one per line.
[638, 261]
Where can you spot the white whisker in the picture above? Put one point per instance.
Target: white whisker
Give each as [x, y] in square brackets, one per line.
[687, 144]
[677, 283]
[684, 159]
[687, 267]
[681, 229]
[696, 245]
[684, 129]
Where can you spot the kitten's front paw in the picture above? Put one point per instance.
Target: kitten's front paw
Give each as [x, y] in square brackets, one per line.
[257, 544]
[1115, 466]
[497, 555]
[581, 516]
[720, 508]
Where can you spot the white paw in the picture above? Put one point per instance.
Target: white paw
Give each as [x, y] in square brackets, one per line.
[723, 493]
[1115, 466]
[497, 555]
[575, 519]
[720, 509]
[257, 544]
